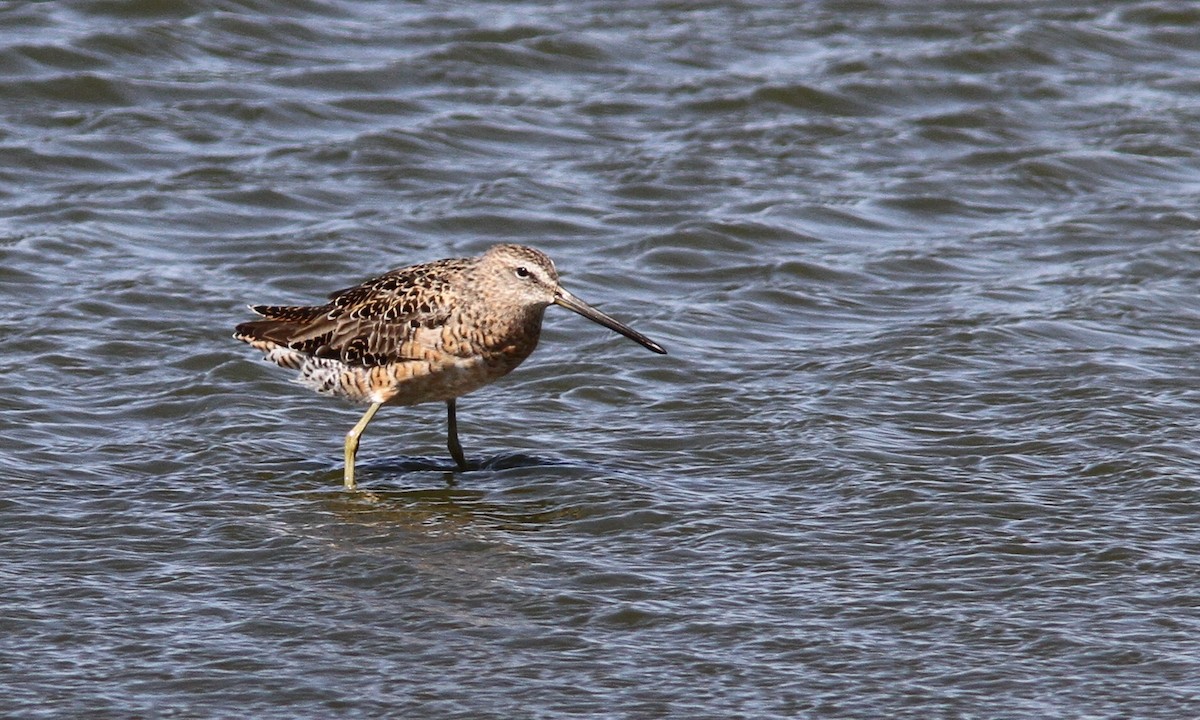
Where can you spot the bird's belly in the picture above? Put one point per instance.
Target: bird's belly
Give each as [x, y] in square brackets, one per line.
[439, 377]
[411, 383]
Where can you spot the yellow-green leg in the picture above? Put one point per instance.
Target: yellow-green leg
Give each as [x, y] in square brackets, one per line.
[352, 443]
[452, 435]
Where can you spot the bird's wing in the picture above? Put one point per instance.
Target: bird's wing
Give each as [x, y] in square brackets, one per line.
[378, 322]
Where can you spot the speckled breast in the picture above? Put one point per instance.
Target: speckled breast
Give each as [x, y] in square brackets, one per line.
[462, 363]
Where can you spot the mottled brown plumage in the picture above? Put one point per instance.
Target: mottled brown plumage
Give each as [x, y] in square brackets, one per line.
[430, 332]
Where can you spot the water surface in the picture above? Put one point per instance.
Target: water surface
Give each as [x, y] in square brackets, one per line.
[923, 447]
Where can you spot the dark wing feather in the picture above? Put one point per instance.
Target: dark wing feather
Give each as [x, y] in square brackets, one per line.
[375, 323]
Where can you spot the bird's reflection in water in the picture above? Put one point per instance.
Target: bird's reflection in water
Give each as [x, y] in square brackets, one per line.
[388, 495]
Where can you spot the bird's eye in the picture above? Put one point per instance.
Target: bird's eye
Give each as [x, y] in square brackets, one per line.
[523, 272]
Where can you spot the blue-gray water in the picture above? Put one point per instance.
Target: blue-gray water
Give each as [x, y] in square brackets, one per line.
[924, 447]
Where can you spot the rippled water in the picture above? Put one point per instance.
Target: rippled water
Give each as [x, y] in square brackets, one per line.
[924, 445]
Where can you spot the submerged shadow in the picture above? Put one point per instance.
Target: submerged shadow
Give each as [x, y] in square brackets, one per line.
[510, 461]
[388, 493]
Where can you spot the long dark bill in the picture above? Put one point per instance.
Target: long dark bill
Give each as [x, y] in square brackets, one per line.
[571, 302]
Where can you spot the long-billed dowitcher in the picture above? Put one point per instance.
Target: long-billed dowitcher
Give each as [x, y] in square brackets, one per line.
[423, 333]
